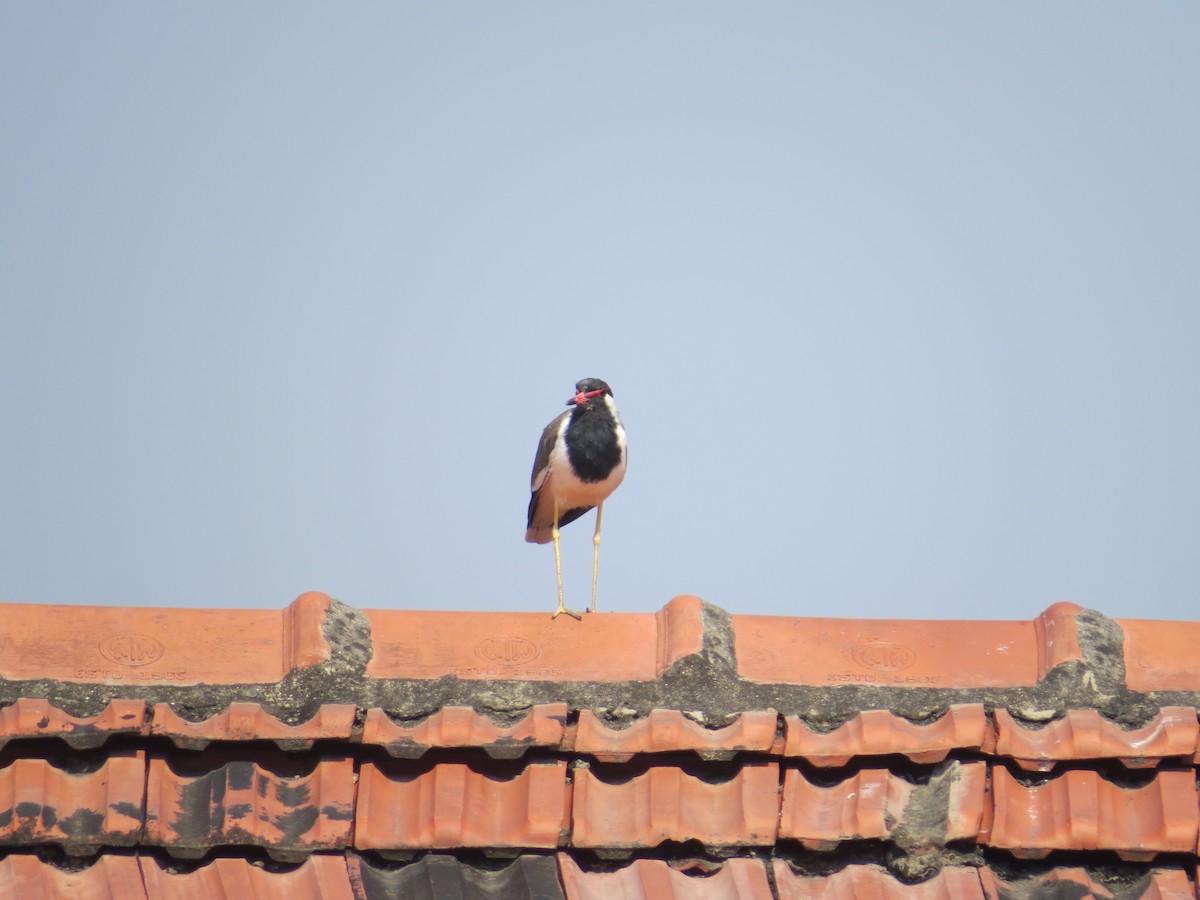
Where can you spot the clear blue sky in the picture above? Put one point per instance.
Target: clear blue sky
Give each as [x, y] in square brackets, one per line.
[901, 302]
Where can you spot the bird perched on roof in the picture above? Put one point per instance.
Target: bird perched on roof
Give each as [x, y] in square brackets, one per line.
[579, 462]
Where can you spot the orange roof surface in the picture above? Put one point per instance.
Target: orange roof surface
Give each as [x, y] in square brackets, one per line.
[327, 752]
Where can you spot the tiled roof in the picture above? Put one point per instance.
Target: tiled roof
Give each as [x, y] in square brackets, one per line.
[327, 752]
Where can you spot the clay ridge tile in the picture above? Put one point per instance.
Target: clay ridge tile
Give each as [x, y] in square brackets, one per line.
[180, 651]
[906, 653]
[461, 726]
[414, 644]
[244, 802]
[177, 647]
[250, 722]
[1160, 656]
[43, 804]
[1080, 810]
[878, 732]
[456, 805]
[668, 731]
[36, 718]
[1084, 734]
[666, 804]
[654, 879]
[1057, 632]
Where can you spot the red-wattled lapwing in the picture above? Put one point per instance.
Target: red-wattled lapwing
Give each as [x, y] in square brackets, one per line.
[579, 462]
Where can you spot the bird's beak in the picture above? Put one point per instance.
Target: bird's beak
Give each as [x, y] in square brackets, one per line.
[582, 398]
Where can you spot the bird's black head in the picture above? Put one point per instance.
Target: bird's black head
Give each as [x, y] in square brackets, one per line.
[589, 389]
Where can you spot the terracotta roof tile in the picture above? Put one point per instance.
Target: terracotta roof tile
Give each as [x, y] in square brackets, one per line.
[877, 732]
[249, 721]
[319, 877]
[1161, 656]
[653, 879]
[25, 876]
[1073, 882]
[874, 804]
[144, 645]
[440, 877]
[678, 737]
[456, 805]
[906, 653]
[670, 731]
[41, 803]
[1080, 810]
[533, 646]
[1084, 734]
[35, 718]
[666, 804]
[867, 882]
[243, 802]
[460, 726]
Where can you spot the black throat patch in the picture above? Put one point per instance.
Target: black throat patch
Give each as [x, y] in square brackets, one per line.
[592, 447]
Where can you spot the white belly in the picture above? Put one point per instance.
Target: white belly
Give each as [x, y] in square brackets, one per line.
[569, 491]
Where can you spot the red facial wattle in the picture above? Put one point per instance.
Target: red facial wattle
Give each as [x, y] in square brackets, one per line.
[582, 398]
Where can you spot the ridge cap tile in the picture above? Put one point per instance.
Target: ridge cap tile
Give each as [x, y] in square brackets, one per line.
[1160, 655]
[302, 625]
[1058, 636]
[680, 630]
[170, 648]
[141, 645]
[421, 644]
[893, 653]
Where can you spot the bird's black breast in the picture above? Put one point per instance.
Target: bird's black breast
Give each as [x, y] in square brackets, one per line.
[592, 447]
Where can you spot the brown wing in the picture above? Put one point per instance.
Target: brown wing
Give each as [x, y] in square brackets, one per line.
[541, 462]
[541, 513]
[541, 519]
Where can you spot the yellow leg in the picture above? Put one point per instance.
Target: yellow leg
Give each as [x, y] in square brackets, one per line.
[558, 568]
[596, 556]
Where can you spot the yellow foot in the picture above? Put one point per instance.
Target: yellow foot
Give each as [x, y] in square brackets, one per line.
[562, 609]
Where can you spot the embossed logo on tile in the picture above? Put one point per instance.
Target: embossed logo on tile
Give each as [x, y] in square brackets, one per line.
[883, 656]
[131, 649]
[507, 650]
